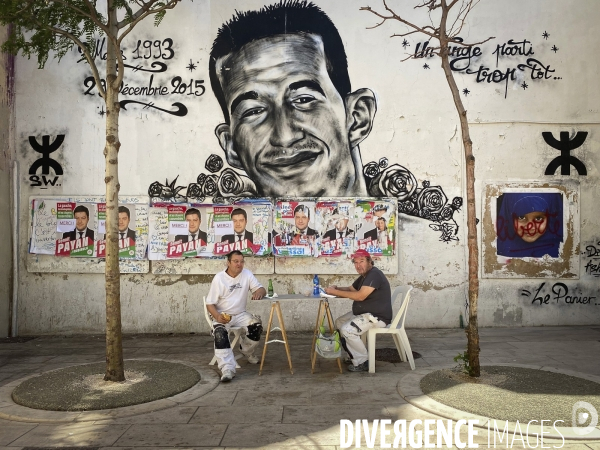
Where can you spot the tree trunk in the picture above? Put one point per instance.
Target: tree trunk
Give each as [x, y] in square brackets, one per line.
[114, 344]
[472, 330]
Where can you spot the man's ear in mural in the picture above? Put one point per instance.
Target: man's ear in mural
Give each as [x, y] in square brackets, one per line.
[223, 132]
[361, 107]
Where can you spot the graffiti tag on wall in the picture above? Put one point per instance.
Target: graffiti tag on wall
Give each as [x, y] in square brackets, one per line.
[45, 162]
[559, 293]
[592, 253]
[565, 145]
[462, 59]
[151, 57]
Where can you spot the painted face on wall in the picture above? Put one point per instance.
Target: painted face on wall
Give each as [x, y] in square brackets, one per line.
[289, 128]
[193, 222]
[301, 220]
[531, 226]
[123, 221]
[81, 220]
[239, 223]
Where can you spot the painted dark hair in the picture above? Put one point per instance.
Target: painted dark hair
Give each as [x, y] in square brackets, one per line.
[285, 17]
[82, 208]
[234, 252]
[124, 209]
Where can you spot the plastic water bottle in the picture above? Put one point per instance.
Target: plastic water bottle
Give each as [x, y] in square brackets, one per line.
[270, 288]
[316, 285]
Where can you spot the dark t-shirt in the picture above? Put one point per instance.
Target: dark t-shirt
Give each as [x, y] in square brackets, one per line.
[378, 302]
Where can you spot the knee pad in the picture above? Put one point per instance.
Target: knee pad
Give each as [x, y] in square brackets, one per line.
[254, 331]
[221, 336]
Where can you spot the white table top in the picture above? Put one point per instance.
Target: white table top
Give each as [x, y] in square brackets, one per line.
[296, 297]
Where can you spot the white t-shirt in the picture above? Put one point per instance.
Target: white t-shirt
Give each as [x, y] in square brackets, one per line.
[230, 295]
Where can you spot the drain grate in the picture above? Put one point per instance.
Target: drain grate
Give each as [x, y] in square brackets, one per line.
[391, 355]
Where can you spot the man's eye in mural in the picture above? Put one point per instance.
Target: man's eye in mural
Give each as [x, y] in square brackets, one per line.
[303, 101]
[252, 112]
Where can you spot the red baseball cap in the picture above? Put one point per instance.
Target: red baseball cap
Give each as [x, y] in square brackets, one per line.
[360, 253]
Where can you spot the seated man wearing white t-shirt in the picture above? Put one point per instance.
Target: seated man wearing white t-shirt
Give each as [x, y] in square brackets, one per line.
[228, 295]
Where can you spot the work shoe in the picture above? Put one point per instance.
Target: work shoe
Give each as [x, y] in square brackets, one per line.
[252, 359]
[364, 367]
[227, 375]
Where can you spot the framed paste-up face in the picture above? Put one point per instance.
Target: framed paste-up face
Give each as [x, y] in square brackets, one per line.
[530, 231]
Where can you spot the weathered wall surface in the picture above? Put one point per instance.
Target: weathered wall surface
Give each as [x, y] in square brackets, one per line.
[536, 78]
[6, 99]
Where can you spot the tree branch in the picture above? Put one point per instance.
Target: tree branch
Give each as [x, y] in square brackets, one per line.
[141, 14]
[81, 45]
[399, 19]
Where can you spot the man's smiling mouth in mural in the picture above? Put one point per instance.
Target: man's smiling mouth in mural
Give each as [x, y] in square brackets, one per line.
[295, 157]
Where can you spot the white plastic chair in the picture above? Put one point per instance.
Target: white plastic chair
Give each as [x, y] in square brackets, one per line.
[396, 329]
[236, 331]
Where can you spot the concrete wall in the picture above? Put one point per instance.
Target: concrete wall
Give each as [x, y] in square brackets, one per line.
[544, 81]
[6, 212]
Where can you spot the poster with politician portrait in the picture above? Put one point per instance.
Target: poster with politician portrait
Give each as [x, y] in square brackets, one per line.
[294, 231]
[335, 223]
[75, 229]
[375, 226]
[126, 231]
[232, 226]
[187, 237]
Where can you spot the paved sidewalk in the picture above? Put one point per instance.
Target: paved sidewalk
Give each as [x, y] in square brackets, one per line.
[276, 409]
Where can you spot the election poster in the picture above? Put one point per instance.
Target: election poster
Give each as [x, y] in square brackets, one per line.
[294, 231]
[126, 230]
[75, 229]
[233, 225]
[375, 227]
[335, 224]
[186, 238]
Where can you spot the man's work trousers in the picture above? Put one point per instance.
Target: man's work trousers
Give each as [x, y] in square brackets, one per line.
[249, 340]
[351, 328]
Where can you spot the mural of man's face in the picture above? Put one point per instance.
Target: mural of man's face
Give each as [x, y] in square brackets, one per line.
[193, 222]
[123, 221]
[289, 128]
[81, 220]
[239, 223]
[301, 220]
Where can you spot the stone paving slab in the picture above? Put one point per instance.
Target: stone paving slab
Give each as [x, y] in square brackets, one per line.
[175, 435]
[71, 435]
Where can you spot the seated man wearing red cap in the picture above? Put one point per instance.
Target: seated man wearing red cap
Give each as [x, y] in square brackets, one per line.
[372, 308]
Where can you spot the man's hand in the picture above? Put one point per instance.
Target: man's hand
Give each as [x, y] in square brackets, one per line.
[259, 293]
[221, 319]
[331, 290]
